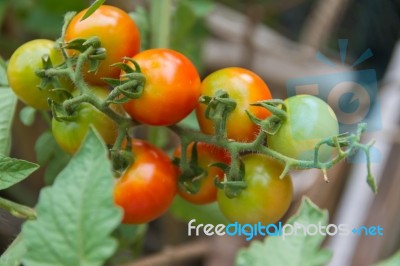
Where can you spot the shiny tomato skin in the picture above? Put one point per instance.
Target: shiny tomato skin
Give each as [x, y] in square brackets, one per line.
[266, 198]
[245, 87]
[70, 134]
[117, 32]
[147, 188]
[171, 91]
[21, 72]
[309, 121]
[206, 154]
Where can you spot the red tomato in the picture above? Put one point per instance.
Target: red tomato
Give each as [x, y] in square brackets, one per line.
[148, 186]
[171, 91]
[117, 32]
[206, 154]
[245, 87]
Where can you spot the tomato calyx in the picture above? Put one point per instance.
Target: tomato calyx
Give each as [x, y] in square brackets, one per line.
[272, 124]
[218, 109]
[129, 86]
[191, 172]
[92, 50]
[233, 183]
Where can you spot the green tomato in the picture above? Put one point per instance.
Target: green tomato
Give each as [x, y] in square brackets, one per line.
[309, 121]
[70, 134]
[21, 72]
[266, 197]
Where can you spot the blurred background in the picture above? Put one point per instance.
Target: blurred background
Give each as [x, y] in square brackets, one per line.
[295, 46]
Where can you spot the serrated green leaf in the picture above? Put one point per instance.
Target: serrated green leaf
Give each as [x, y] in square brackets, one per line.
[76, 215]
[13, 171]
[205, 214]
[13, 254]
[93, 8]
[27, 115]
[293, 250]
[392, 261]
[8, 103]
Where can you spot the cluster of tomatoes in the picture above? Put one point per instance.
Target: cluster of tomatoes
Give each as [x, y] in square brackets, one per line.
[171, 92]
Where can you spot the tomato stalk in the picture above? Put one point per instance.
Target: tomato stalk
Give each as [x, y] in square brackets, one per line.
[234, 178]
[219, 107]
[18, 210]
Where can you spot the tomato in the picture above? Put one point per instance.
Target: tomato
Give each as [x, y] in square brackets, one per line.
[70, 134]
[117, 32]
[245, 87]
[309, 120]
[266, 198]
[171, 91]
[21, 72]
[146, 189]
[206, 154]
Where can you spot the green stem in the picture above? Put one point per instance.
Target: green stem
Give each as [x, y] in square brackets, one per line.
[18, 210]
[160, 22]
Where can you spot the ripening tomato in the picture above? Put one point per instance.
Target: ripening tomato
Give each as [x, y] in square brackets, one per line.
[21, 72]
[117, 32]
[206, 154]
[171, 91]
[266, 198]
[245, 87]
[70, 134]
[309, 121]
[147, 188]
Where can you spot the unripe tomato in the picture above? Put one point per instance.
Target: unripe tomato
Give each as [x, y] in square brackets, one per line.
[309, 121]
[21, 72]
[206, 154]
[245, 87]
[171, 91]
[117, 32]
[266, 198]
[146, 189]
[70, 134]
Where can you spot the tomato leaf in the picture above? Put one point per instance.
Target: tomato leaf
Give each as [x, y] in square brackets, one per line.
[27, 115]
[14, 253]
[392, 261]
[304, 250]
[93, 8]
[49, 153]
[76, 215]
[204, 214]
[8, 102]
[13, 171]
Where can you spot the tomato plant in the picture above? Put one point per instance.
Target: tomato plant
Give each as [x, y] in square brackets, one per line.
[171, 91]
[69, 134]
[309, 121]
[21, 72]
[148, 186]
[117, 32]
[206, 155]
[245, 87]
[240, 158]
[266, 198]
